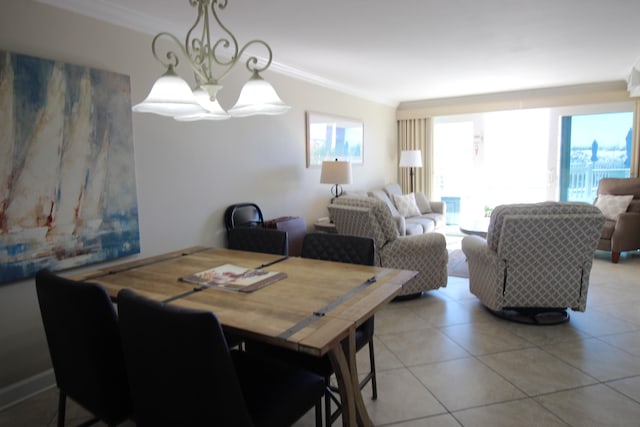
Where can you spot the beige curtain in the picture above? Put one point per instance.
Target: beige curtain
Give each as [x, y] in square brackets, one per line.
[415, 134]
[635, 145]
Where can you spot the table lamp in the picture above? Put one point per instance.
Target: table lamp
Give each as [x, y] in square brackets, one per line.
[411, 159]
[336, 172]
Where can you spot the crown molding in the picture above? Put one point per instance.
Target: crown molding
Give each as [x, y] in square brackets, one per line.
[106, 11]
[122, 16]
[592, 93]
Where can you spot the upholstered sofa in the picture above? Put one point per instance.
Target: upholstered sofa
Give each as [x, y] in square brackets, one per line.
[413, 213]
[536, 256]
[619, 200]
[425, 253]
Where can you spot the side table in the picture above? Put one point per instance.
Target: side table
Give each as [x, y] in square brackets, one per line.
[295, 228]
[324, 225]
[478, 227]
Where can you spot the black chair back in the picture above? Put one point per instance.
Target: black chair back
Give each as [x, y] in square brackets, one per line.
[180, 370]
[243, 215]
[256, 239]
[81, 327]
[183, 374]
[353, 250]
[338, 247]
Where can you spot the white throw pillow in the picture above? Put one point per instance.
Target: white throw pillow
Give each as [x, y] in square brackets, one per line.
[613, 206]
[406, 204]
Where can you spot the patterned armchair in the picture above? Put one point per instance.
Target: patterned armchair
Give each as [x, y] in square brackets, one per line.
[425, 253]
[535, 260]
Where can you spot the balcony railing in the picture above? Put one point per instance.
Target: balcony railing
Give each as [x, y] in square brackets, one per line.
[584, 179]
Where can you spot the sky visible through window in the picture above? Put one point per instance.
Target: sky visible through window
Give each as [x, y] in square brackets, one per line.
[610, 130]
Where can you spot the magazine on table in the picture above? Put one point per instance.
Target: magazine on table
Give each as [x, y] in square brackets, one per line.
[234, 278]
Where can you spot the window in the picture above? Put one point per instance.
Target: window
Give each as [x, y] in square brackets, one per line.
[594, 146]
[484, 160]
[530, 155]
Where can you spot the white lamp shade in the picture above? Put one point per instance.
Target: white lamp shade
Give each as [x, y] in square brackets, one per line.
[258, 97]
[411, 158]
[335, 172]
[170, 96]
[214, 110]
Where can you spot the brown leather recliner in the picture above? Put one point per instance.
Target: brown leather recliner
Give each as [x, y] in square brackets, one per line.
[622, 234]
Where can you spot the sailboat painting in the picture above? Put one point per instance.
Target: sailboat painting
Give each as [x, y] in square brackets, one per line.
[67, 179]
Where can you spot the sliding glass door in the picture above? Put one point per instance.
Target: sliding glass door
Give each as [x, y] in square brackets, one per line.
[594, 146]
[529, 155]
[483, 160]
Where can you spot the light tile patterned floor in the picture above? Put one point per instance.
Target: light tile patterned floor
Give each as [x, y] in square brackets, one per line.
[444, 361]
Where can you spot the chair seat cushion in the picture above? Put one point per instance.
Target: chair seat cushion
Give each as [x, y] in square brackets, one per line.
[265, 397]
[413, 228]
[607, 230]
[429, 222]
[425, 223]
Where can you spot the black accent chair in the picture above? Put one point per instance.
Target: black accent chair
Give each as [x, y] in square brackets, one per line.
[340, 248]
[81, 327]
[257, 239]
[243, 215]
[183, 374]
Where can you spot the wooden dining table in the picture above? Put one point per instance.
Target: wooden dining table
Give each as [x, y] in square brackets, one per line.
[316, 307]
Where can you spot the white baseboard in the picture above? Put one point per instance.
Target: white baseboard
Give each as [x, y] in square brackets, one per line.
[22, 390]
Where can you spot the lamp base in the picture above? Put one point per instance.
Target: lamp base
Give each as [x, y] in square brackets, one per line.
[336, 191]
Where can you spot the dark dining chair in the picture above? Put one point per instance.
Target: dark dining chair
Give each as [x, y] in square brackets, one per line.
[257, 239]
[81, 327]
[182, 373]
[339, 248]
[353, 250]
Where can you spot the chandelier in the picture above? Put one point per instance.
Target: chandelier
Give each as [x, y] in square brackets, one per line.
[211, 61]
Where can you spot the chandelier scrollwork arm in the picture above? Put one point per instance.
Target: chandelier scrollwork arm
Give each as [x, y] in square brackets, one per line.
[211, 55]
[172, 60]
[252, 62]
[202, 55]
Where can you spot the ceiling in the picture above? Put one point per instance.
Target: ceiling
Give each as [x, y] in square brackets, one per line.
[407, 50]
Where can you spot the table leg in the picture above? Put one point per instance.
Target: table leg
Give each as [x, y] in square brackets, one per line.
[346, 372]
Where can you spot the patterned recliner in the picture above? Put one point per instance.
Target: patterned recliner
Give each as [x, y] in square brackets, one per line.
[424, 253]
[535, 256]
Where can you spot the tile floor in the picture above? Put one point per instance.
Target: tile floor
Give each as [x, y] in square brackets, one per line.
[443, 361]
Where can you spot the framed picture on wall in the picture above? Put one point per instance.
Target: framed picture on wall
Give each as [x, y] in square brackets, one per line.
[67, 180]
[334, 137]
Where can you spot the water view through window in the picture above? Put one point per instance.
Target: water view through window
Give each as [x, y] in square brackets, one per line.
[594, 146]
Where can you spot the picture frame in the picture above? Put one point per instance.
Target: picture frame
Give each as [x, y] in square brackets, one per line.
[331, 137]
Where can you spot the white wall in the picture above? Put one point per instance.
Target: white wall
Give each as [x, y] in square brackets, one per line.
[187, 173]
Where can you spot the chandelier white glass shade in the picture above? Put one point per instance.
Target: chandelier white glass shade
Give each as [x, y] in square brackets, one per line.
[208, 109]
[258, 97]
[211, 61]
[170, 96]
